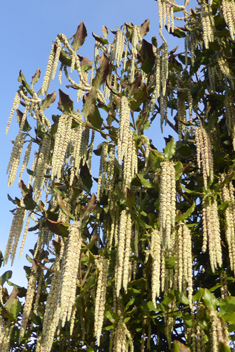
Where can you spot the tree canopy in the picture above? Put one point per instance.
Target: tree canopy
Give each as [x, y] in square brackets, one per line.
[140, 254]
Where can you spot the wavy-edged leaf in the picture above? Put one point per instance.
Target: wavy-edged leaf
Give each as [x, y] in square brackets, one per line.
[210, 300]
[65, 104]
[46, 103]
[79, 37]
[58, 227]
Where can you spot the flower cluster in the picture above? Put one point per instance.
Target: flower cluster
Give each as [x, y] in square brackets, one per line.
[211, 232]
[204, 155]
[100, 299]
[167, 202]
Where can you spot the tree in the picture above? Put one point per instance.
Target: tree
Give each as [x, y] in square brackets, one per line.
[148, 262]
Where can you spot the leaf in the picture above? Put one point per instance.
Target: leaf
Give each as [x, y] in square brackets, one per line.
[89, 207]
[227, 305]
[22, 80]
[190, 210]
[6, 276]
[90, 109]
[144, 28]
[86, 177]
[29, 203]
[181, 298]
[65, 104]
[144, 182]
[58, 227]
[46, 103]
[15, 308]
[63, 207]
[99, 39]
[130, 198]
[170, 262]
[36, 77]
[169, 150]
[139, 97]
[209, 300]
[79, 37]
[129, 304]
[224, 347]
[19, 115]
[147, 56]
[179, 347]
[105, 31]
[102, 72]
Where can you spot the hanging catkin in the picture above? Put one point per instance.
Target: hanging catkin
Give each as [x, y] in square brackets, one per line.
[167, 202]
[102, 265]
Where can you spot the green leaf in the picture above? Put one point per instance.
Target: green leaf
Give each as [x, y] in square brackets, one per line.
[145, 183]
[209, 300]
[181, 298]
[178, 170]
[15, 308]
[63, 207]
[6, 276]
[79, 37]
[89, 207]
[179, 347]
[22, 80]
[189, 211]
[130, 198]
[224, 205]
[129, 303]
[19, 115]
[227, 305]
[169, 150]
[46, 103]
[170, 262]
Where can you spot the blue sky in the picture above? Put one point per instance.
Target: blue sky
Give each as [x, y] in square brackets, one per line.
[28, 29]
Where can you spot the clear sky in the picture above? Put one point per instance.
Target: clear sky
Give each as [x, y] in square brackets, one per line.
[27, 31]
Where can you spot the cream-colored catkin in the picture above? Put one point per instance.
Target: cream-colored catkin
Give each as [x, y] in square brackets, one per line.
[211, 232]
[204, 155]
[124, 126]
[167, 202]
[120, 251]
[6, 328]
[156, 264]
[14, 235]
[61, 142]
[15, 105]
[41, 167]
[230, 115]
[102, 170]
[15, 157]
[28, 300]
[102, 265]
[57, 57]
[227, 194]
[126, 263]
[207, 24]
[70, 272]
[48, 74]
[218, 331]
[228, 15]
[52, 306]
